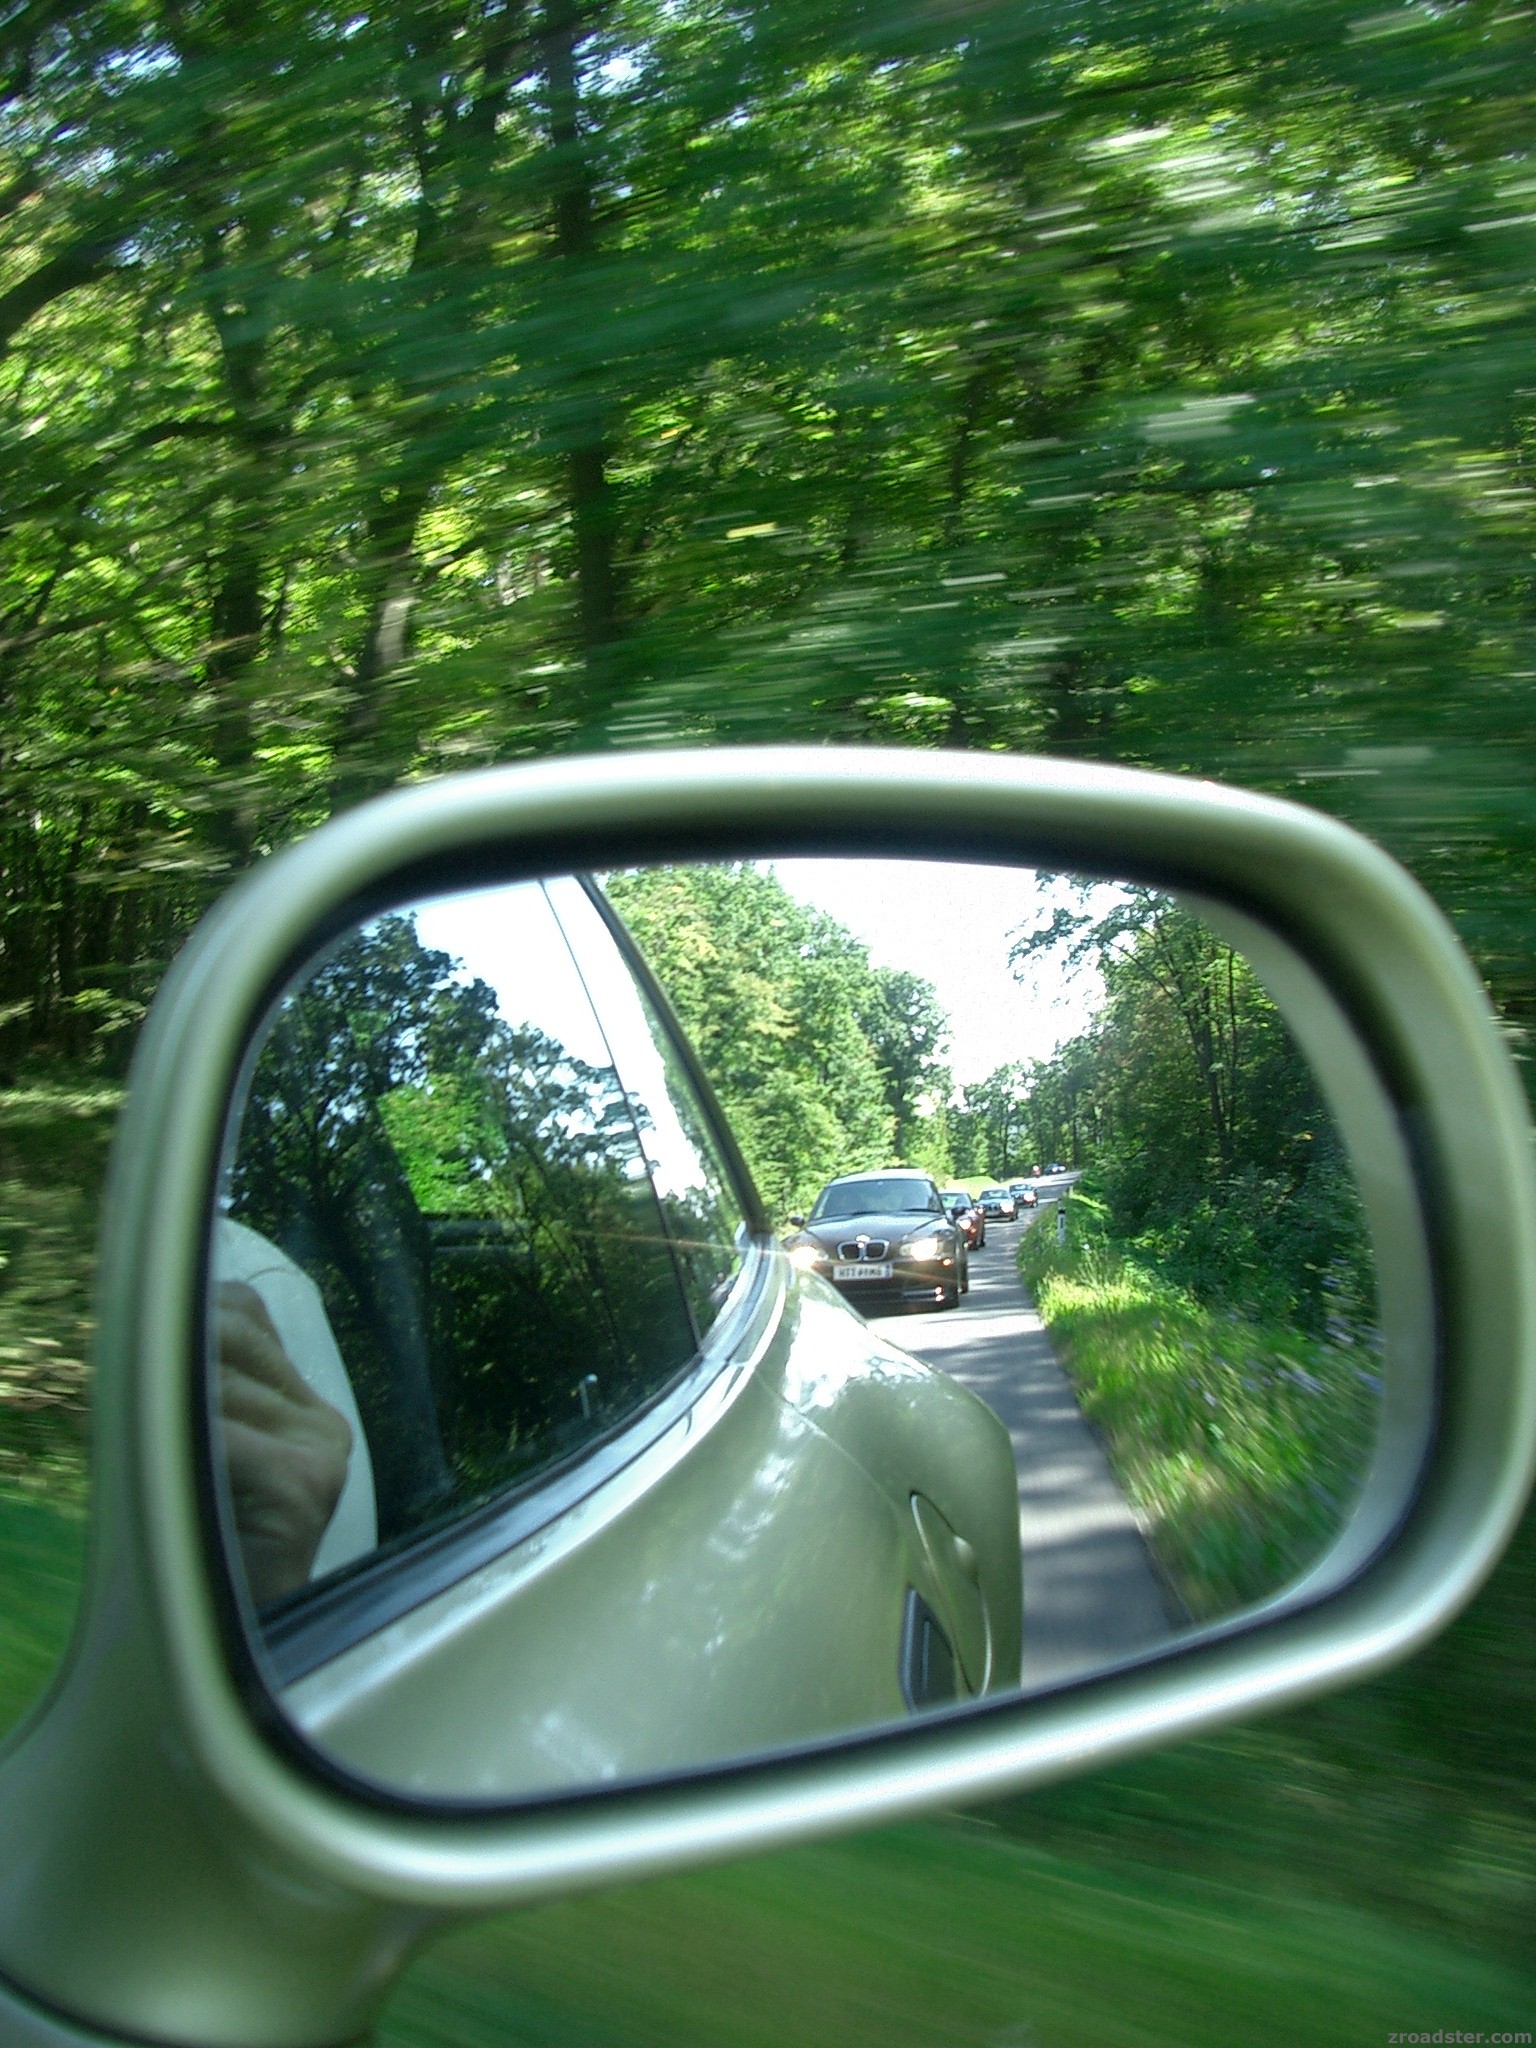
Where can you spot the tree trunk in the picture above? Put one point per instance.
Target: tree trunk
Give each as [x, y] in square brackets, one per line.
[972, 404]
[235, 619]
[589, 492]
[389, 591]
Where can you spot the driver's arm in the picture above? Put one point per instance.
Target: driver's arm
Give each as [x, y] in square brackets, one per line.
[285, 1449]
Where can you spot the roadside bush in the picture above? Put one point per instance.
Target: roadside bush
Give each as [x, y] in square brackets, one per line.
[1286, 1247]
[1239, 1442]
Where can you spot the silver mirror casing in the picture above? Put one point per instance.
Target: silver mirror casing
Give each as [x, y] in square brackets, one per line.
[187, 1877]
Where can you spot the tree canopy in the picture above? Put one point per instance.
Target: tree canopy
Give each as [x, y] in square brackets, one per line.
[824, 1063]
[385, 390]
[1208, 1143]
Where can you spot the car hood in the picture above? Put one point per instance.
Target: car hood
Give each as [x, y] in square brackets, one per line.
[882, 1226]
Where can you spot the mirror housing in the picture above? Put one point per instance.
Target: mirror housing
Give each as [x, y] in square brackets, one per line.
[191, 1876]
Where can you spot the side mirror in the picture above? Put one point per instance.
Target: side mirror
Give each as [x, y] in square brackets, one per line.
[486, 1506]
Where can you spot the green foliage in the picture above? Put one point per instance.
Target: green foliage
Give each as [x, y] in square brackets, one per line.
[907, 1030]
[457, 382]
[822, 1063]
[1206, 1135]
[441, 1133]
[992, 1129]
[1240, 1443]
[1290, 1248]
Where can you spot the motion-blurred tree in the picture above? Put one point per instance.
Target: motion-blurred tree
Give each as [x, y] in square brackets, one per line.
[386, 391]
[1199, 1119]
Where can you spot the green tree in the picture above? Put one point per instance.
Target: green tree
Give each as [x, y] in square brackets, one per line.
[823, 1063]
[908, 1032]
[1201, 1122]
[990, 1121]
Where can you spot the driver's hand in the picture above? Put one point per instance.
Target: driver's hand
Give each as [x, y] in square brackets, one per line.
[286, 1450]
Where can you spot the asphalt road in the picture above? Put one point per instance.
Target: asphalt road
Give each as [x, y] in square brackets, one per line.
[1090, 1593]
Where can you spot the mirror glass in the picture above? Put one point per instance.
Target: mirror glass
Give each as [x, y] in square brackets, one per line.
[677, 1315]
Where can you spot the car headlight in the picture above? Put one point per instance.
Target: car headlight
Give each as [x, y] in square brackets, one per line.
[807, 1257]
[930, 1247]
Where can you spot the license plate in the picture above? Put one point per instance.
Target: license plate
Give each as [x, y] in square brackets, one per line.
[865, 1269]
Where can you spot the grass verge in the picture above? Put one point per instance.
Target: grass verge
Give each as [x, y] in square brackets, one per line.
[1240, 1445]
[42, 1557]
[54, 1135]
[945, 1935]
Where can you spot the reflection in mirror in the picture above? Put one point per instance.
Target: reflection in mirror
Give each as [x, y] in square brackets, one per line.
[696, 1312]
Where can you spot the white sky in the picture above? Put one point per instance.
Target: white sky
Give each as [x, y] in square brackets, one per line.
[506, 937]
[953, 923]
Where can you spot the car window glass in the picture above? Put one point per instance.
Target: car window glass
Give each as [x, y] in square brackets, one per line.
[702, 1209]
[436, 1144]
[876, 1197]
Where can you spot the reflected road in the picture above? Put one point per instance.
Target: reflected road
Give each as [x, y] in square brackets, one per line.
[1091, 1595]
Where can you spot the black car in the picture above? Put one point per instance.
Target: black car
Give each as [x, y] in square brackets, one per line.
[965, 1211]
[884, 1241]
[1024, 1195]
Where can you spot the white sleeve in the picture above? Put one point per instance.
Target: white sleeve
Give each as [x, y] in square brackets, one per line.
[298, 1315]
